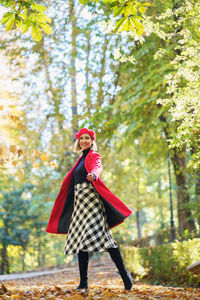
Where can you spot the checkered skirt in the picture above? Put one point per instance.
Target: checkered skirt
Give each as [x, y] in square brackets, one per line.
[88, 230]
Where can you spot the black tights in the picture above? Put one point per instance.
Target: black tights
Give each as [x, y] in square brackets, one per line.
[83, 260]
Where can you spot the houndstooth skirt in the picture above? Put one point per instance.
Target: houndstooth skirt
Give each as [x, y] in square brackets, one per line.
[88, 230]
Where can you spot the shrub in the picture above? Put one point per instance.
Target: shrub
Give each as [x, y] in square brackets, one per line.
[165, 263]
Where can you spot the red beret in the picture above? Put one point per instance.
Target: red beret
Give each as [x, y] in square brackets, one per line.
[85, 130]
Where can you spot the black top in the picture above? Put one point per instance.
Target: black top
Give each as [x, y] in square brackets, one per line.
[80, 172]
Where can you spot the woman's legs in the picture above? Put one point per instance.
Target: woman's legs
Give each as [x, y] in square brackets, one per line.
[83, 259]
[117, 259]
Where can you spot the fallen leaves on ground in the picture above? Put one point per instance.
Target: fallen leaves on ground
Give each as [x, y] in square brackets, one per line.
[104, 283]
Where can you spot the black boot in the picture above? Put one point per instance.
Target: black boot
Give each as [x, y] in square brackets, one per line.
[83, 259]
[117, 259]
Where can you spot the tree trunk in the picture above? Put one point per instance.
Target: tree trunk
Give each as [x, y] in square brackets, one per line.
[87, 71]
[38, 257]
[185, 220]
[23, 258]
[73, 66]
[139, 227]
[43, 259]
[197, 194]
[100, 95]
[159, 191]
[4, 260]
[138, 212]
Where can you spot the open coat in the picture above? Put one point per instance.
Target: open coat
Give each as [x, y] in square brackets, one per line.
[116, 210]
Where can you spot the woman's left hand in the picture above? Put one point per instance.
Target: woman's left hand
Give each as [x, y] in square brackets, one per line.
[90, 176]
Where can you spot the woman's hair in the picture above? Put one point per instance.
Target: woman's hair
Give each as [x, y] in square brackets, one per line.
[77, 148]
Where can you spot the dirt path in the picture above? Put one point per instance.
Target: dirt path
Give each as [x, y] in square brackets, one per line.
[104, 283]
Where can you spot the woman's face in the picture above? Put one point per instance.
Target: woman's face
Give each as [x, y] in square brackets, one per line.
[85, 141]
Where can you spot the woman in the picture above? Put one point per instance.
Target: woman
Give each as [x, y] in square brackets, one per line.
[85, 209]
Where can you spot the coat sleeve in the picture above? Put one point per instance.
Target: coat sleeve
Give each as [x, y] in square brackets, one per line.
[96, 165]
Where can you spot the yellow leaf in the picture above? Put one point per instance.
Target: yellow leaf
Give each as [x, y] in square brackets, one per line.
[36, 165]
[125, 25]
[1, 150]
[13, 117]
[139, 26]
[36, 32]
[13, 148]
[47, 29]
[10, 23]
[1, 107]
[142, 9]
[32, 159]
[147, 4]
[6, 17]
[53, 164]
[20, 125]
[2, 162]
[44, 157]
[16, 297]
[14, 163]
[36, 153]
[25, 27]
[19, 151]
[41, 17]
[117, 11]
[38, 7]
[70, 282]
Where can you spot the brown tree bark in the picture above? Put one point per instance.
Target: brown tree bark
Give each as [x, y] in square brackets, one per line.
[178, 158]
[138, 212]
[100, 95]
[4, 260]
[185, 218]
[87, 70]
[197, 193]
[74, 32]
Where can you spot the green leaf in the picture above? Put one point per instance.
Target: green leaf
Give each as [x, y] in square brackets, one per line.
[7, 3]
[23, 16]
[6, 17]
[129, 10]
[131, 27]
[36, 33]
[32, 17]
[138, 25]
[10, 23]
[117, 11]
[25, 27]
[142, 9]
[38, 7]
[112, 3]
[137, 17]
[109, 1]
[83, 2]
[133, 10]
[47, 29]
[126, 11]
[18, 23]
[125, 25]
[118, 24]
[41, 17]
[146, 4]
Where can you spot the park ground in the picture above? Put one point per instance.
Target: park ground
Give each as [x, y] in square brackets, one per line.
[104, 283]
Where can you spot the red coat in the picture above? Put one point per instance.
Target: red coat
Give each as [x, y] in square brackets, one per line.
[116, 210]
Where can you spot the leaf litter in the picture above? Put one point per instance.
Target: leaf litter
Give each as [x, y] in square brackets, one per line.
[104, 283]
